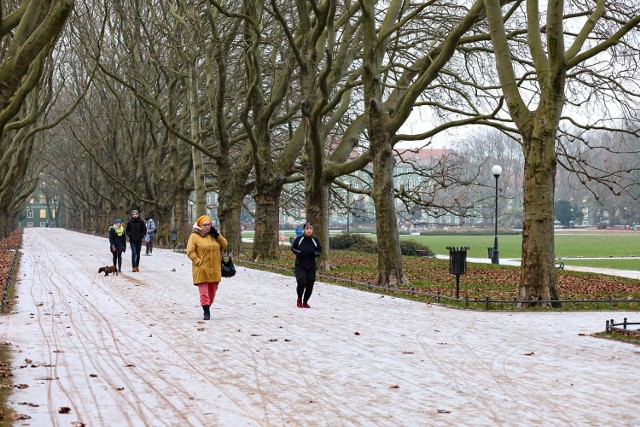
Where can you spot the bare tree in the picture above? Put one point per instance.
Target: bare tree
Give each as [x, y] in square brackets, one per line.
[600, 28]
[28, 33]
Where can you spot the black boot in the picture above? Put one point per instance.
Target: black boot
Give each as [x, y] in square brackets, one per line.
[207, 314]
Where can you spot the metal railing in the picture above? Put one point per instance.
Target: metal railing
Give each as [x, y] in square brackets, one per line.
[612, 326]
[444, 299]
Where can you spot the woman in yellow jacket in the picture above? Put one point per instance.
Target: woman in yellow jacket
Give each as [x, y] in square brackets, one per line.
[204, 248]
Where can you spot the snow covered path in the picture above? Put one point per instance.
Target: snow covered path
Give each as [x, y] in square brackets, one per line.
[132, 350]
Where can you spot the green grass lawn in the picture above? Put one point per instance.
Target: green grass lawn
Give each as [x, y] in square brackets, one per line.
[587, 245]
[567, 246]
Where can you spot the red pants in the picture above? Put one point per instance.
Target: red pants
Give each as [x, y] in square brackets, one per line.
[207, 292]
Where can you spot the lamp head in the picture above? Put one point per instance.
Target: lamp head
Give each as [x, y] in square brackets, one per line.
[496, 170]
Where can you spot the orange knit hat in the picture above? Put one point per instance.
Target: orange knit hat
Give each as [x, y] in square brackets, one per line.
[202, 219]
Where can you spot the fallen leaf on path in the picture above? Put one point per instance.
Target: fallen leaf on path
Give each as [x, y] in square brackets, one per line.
[21, 386]
[33, 405]
[93, 375]
[15, 416]
[443, 411]
[531, 353]
[356, 333]
[395, 386]
[64, 410]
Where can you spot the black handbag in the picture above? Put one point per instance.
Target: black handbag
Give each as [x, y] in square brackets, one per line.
[228, 269]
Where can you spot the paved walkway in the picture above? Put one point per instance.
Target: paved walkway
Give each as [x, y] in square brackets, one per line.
[132, 350]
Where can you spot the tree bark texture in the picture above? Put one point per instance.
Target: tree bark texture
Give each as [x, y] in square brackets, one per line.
[265, 243]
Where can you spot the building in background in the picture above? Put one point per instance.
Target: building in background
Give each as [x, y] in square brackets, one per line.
[39, 212]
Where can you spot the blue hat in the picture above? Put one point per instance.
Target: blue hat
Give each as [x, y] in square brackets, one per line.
[117, 220]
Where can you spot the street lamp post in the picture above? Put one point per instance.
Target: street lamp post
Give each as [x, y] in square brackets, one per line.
[348, 209]
[496, 170]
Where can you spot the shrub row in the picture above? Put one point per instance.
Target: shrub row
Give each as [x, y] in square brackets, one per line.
[359, 242]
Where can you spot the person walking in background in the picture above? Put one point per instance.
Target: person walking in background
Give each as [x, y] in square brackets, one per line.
[136, 231]
[117, 243]
[151, 232]
[204, 249]
[307, 248]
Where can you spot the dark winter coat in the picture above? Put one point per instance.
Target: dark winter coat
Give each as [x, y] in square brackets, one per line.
[136, 229]
[120, 242]
[307, 249]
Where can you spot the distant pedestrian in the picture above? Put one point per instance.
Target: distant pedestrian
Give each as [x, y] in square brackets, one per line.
[298, 231]
[307, 248]
[204, 249]
[151, 232]
[136, 231]
[117, 243]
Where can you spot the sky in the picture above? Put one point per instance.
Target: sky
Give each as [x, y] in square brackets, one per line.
[133, 350]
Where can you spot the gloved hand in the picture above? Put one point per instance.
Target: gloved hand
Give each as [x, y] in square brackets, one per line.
[113, 248]
[214, 232]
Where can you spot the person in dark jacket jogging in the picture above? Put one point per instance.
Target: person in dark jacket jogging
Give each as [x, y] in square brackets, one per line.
[307, 248]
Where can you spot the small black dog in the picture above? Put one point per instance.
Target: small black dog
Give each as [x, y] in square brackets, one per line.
[108, 269]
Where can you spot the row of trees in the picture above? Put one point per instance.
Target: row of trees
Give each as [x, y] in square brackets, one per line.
[141, 105]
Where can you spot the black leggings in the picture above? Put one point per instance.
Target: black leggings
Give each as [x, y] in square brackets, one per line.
[306, 277]
[117, 256]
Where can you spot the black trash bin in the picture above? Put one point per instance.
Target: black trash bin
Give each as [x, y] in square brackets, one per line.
[490, 252]
[457, 264]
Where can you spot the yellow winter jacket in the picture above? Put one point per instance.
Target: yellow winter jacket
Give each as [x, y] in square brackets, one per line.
[205, 254]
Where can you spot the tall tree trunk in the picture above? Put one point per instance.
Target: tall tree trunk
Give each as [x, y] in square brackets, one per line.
[265, 243]
[538, 274]
[317, 199]
[316, 191]
[180, 219]
[231, 197]
[390, 267]
[230, 223]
